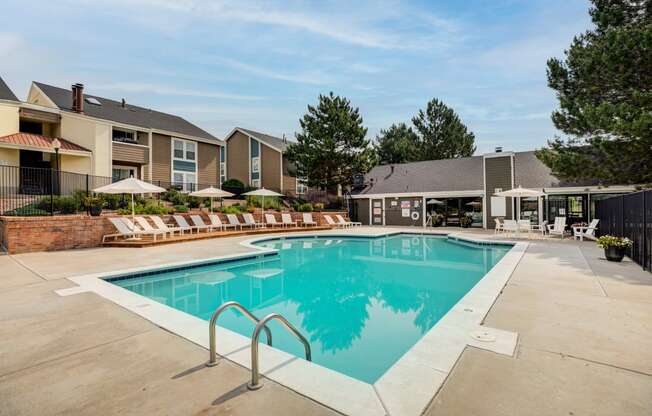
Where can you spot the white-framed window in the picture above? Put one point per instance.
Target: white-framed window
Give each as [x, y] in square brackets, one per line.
[254, 163]
[302, 188]
[184, 164]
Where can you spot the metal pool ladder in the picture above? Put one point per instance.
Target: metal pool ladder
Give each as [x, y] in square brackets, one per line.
[255, 383]
[212, 360]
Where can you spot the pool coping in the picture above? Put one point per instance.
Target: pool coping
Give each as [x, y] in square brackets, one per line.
[405, 389]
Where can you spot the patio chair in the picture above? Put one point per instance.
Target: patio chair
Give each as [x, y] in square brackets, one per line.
[287, 220]
[270, 219]
[307, 220]
[510, 226]
[541, 228]
[559, 227]
[499, 226]
[348, 223]
[586, 232]
[199, 222]
[151, 231]
[234, 221]
[216, 222]
[251, 221]
[146, 226]
[329, 221]
[123, 230]
[158, 222]
[181, 221]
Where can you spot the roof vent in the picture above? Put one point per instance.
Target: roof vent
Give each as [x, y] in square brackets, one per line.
[499, 149]
[285, 139]
[123, 103]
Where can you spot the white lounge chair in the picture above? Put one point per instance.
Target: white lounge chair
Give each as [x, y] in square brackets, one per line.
[216, 222]
[146, 226]
[499, 226]
[287, 220]
[329, 221]
[123, 230]
[307, 220]
[158, 222]
[511, 226]
[347, 223]
[270, 219]
[234, 221]
[181, 221]
[558, 228]
[251, 221]
[151, 231]
[199, 222]
[586, 232]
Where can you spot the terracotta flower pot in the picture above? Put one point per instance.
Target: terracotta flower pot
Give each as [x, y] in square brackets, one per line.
[614, 253]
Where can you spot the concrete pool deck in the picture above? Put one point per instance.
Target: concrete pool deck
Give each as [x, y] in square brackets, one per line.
[584, 342]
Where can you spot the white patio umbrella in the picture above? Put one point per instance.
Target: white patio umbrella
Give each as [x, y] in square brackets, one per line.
[434, 202]
[520, 192]
[211, 193]
[130, 186]
[262, 192]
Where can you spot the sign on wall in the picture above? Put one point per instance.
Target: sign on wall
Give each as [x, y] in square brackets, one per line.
[498, 206]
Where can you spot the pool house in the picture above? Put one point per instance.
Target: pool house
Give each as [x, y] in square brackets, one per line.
[461, 192]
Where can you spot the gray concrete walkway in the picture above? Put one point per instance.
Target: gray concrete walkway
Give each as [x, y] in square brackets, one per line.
[585, 343]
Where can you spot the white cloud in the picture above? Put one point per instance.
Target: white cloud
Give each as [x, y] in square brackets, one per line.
[170, 90]
[317, 78]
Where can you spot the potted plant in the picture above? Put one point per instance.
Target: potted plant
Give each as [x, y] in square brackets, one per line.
[466, 220]
[94, 205]
[614, 247]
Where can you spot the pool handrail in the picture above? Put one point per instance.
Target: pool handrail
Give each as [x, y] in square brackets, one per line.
[255, 383]
[212, 359]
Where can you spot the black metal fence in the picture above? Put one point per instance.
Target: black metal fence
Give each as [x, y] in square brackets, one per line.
[630, 216]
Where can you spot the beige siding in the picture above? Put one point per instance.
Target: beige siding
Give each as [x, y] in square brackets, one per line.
[161, 157]
[9, 120]
[237, 154]
[270, 168]
[208, 159]
[91, 135]
[130, 153]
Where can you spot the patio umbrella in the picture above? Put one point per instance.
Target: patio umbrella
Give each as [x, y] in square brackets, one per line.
[262, 192]
[434, 202]
[130, 186]
[211, 193]
[520, 193]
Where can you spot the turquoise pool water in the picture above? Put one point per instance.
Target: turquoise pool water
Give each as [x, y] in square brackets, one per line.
[361, 302]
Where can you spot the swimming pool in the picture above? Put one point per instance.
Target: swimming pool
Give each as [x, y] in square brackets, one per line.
[361, 302]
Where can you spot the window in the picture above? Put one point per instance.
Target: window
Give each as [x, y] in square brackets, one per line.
[124, 136]
[123, 172]
[184, 164]
[254, 163]
[302, 188]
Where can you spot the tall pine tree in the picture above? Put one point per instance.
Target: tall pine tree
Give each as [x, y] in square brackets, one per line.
[604, 87]
[397, 144]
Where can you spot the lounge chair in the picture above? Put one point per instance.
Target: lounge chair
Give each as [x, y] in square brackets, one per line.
[251, 221]
[234, 221]
[199, 222]
[558, 228]
[347, 223]
[270, 219]
[329, 221]
[126, 229]
[158, 222]
[499, 226]
[588, 232]
[181, 221]
[216, 222]
[510, 226]
[287, 220]
[307, 220]
[146, 226]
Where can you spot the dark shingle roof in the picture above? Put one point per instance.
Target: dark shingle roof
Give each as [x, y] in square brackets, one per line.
[6, 93]
[463, 174]
[137, 116]
[266, 138]
[530, 172]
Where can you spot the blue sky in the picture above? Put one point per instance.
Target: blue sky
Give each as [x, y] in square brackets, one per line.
[259, 64]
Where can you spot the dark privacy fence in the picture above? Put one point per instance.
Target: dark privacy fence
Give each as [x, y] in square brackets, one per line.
[630, 216]
[43, 191]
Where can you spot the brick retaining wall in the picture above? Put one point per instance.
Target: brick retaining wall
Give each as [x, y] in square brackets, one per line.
[51, 233]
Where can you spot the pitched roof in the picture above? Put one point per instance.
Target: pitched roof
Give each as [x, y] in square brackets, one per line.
[463, 174]
[267, 139]
[6, 93]
[40, 142]
[130, 114]
[530, 172]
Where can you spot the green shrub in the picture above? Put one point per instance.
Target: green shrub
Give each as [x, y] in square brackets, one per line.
[150, 207]
[114, 201]
[61, 204]
[271, 202]
[175, 197]
[196, 202]
[318, 206]
[305, 208]
[180, 208]
[233, 209]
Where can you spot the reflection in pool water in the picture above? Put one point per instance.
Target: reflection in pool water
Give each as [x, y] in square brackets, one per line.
[361, 302]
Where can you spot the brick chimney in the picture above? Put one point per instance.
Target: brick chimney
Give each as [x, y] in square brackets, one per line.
[78, 98]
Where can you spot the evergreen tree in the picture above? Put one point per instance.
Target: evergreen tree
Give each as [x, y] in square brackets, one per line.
[604, 87]
[398, 144]
[442, 134]
[331, 147]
